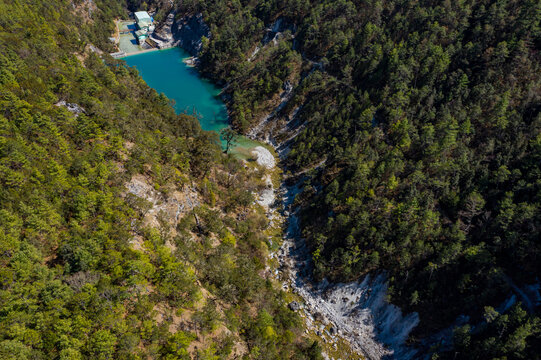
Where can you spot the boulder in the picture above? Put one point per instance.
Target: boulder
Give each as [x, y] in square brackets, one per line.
[294, 306]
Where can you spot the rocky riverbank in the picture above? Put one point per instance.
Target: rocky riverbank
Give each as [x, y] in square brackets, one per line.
[357, 313]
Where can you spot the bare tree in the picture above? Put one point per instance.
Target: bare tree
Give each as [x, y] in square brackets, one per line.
[230, 137]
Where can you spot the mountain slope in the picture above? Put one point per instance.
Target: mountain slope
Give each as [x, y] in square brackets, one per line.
[125, 233]
[428, 117]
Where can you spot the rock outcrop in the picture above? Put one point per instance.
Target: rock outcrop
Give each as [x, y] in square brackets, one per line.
[171, 207]
[73, 108]
[275, 31]
[294, 306]
[188, 32]
[163, 36]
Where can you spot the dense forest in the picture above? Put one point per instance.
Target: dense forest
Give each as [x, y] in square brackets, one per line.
[424, 117]
[419, 141]
[84, 274]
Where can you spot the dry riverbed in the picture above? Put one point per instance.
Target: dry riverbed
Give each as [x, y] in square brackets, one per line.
[351, 320]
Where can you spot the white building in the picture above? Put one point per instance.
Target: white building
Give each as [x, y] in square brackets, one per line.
[144, 21]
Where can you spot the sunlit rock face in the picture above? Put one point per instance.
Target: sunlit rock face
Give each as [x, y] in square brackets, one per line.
[188, 31]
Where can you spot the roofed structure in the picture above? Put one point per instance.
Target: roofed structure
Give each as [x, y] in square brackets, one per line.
[143, 20]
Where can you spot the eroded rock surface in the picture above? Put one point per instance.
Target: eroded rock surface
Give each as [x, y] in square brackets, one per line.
[188, 32]
[163, 36]
[185, 31]
[357, 312]
[264, 157]
[277, 28]
[171, 207]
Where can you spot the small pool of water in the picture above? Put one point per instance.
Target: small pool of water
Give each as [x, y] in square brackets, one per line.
[166, 72]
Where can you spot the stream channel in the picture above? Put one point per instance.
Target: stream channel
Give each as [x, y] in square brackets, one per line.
[356, 313]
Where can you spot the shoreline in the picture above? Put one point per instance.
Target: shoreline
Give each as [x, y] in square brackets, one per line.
[244, 145]
[144, 51]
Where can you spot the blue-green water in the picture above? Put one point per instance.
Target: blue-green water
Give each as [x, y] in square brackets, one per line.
[166, 72]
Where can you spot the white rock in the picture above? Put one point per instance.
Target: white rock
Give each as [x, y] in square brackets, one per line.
[264, 157]
[358, 311]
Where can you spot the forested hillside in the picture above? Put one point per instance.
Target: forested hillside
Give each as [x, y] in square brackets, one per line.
[88, 268]
[427, 114]
[422, 116]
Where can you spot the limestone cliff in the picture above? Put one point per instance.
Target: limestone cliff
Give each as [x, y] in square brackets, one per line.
[188, 31]
[185, 31]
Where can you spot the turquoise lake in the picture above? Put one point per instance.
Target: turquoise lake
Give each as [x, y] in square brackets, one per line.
[166, 72]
